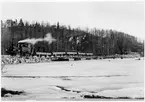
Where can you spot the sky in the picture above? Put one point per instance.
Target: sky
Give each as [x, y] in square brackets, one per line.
[123, 16]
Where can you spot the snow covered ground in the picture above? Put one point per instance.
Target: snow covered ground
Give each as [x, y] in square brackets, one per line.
[115, 78]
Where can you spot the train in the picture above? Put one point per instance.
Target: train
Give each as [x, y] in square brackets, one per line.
[28, 49]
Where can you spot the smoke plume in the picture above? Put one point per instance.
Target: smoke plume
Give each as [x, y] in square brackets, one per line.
[48, 38]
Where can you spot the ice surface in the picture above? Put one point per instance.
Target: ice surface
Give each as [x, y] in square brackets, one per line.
[73, 79]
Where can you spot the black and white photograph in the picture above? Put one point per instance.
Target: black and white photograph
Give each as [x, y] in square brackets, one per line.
[72, 51]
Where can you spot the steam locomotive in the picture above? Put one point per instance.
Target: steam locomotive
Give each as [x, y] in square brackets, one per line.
[25, 49]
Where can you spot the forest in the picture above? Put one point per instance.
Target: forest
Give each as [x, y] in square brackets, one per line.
[100, 42]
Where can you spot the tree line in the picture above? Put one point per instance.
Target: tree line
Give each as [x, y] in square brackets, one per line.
[98, 41]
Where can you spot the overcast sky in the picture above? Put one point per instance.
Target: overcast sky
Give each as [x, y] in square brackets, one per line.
[127, 17]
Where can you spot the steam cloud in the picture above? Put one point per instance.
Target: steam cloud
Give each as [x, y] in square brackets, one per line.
[48, 38]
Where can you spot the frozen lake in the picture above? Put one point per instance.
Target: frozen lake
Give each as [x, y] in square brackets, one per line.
[115, 78]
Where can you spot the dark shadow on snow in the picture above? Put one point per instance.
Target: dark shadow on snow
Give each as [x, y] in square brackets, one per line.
[64, 89]
[104, 97]
[5, 92]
